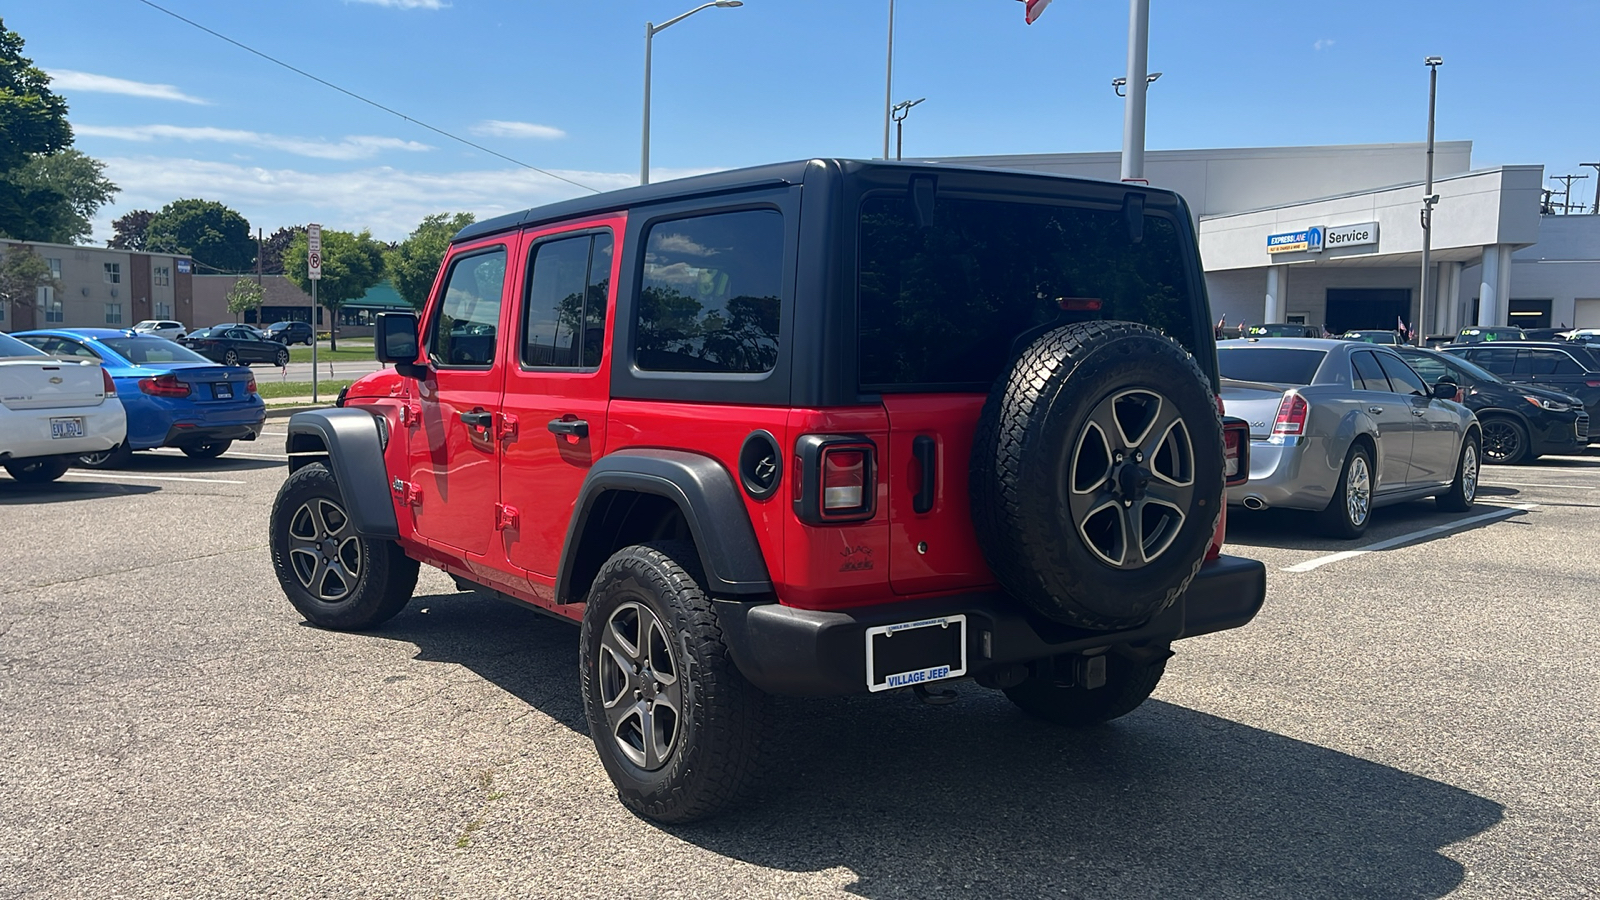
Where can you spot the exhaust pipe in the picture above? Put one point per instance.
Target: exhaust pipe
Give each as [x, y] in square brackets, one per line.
[1254, 502]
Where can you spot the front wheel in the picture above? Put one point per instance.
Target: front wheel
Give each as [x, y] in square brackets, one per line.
[208, 450]
[1350, 511]
[1505, 441]
[1464, 489]
[676, 725]
[335, 577]
[38, 471]
[1128, 684]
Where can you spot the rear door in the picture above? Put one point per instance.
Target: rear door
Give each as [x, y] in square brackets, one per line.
[1391, 412]
[453, 452]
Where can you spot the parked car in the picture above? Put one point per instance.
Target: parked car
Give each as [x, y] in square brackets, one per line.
[1478, 334]
[53, 409]
[1546, 334]
[291, 333]
[1520, 422]
[1341, 428]
[1557, 365]
[174, 397]
[1377, 336]
[234, 345]
[1284, 329]
[167, 328]
[756, 458]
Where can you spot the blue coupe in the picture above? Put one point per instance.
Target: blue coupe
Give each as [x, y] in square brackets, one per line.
[174, 397]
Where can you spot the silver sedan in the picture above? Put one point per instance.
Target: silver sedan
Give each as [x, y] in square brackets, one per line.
[1341, 428]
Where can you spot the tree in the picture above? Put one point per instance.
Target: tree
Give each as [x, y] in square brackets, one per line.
[215, 236]
[59, 193]
[273, 246]
[414, 263]
[351, 265]
[32, 119]
[128, 230]
[22, 273]
[244, 296]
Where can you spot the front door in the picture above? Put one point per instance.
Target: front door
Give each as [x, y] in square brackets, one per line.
[452, 446]
[1435, 426]
[558, 385]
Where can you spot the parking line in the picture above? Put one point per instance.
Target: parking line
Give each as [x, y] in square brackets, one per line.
[141, 477]
[1407, 538]
[277, 456]
[1559, 487]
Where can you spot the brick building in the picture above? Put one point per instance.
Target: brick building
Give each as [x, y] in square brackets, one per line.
[96, 287]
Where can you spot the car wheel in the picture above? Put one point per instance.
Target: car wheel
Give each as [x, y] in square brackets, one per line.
[676, 725]
[208, 450]
[230, 358]
[1128, 684]
[1505, 441]
[1464, 489]
[1350, 511]
[115, 458]
[1096, 474]
[282, 358]
[38, 471]
[335, 578]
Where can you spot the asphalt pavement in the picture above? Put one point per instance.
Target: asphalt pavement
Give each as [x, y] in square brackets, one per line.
[1412, 715]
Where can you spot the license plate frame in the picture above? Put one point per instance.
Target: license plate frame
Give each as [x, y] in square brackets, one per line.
[66, 427]
[222, 390]
[946, 650]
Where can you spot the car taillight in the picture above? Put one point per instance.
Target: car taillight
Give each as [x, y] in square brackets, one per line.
[1291, 416]
[164, 386]
[835, 478]
[111, 386]
[1235, 451]
[250, 386]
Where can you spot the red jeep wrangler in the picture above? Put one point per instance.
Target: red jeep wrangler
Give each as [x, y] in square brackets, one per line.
[816, 428]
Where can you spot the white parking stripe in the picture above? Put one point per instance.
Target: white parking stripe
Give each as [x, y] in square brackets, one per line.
[1407, 538]
[138, 476]
[278, 456]
[1558, 487]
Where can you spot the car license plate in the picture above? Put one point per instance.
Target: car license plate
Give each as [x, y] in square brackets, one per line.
[911, 653]
[222, 390]
[66, 427]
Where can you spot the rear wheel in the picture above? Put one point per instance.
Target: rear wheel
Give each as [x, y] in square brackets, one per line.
[208, 450]
[39, 471]
[115, 458]
[230, 358]
[1349, 512]
[1128, 684]
[1505, 441]
[282, 359]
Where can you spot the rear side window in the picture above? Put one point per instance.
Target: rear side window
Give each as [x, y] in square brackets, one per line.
[564, 317]
[1429, 367]
[709, 298]
[464, 331]
[1547, 362]
[1274, 365]
[947, 305]
[1499, 360]
[10, 346]
[1369, 376]
[1401, 377]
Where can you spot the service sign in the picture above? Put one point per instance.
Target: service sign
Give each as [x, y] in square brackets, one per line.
[1335, 236]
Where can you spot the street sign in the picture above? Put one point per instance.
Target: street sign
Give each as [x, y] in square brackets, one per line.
[314, 251]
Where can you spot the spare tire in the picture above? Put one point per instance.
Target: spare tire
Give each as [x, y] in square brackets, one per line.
[1096, 474]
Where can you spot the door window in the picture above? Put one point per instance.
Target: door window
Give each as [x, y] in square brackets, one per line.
[1499, 360]
[1547, 362]
[1401, 378]
[564, 318]
[463, 333]
[1368, 376]
[1430, 368]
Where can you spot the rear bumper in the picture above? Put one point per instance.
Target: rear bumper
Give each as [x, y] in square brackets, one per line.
[812, 653]
[1293, 473]
[26, 432]
[188, 436]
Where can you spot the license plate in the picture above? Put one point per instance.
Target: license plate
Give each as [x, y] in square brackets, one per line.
[66, 427]
[223, 391]
[911, 653]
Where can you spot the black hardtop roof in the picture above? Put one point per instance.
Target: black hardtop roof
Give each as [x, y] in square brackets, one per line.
[770, 175]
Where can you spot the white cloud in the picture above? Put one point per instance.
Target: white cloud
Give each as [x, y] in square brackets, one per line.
[405, 4]
[68, 80]
[1323, 44]
[357, 146]
[498, 128]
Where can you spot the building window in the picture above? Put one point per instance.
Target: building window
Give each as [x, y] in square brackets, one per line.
[113, 313]
[3, 306]
[161, 274]
[113, 273]
[50, 305]
[55, 267]
[163, 310]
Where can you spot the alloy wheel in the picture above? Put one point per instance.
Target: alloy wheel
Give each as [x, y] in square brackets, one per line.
[324, 550]
[639, 686]
[1469, 473]
[1501, 441]
[1358, 491]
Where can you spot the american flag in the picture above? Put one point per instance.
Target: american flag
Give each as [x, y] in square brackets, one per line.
[1034, 9]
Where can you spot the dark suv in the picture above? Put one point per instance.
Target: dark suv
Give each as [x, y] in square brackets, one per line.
[819, 428]
[1554, 365]
[294, 332]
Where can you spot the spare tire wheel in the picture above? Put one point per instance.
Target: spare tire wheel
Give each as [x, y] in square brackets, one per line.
[1096, 474]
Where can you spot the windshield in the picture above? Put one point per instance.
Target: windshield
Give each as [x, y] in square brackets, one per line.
[1372, 337]
[152, 351]
[10, 346]
[1280, 330]
[1275, 365]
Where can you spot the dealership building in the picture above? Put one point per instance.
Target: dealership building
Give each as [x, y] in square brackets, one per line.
[1333, 235]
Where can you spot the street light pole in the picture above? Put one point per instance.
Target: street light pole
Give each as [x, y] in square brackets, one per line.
[1138, 74]
[1426, 308]
[650, 31]
[888, 85]
[900, 111]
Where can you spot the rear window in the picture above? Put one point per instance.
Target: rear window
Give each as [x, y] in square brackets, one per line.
[947, 305]
[152, 351]
[10, 346]
[1280, 330]
[1274, 365]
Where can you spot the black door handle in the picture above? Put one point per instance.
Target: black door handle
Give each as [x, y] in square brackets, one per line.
[926, 451]
[478, 419]
[573, 427]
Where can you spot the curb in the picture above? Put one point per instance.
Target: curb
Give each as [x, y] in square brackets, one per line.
[284, 412]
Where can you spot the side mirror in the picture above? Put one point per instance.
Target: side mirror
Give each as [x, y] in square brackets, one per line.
[395, 340]
[1446, 390]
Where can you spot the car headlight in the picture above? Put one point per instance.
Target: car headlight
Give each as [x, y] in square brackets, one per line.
[1547, 404]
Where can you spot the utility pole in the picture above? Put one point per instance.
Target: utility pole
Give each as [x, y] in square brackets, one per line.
[1595, 209]
[888, 85]
[1425, 308]
[1138, 83]
[1566, 195]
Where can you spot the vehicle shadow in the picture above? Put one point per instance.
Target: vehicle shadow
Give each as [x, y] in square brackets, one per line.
[176, 464]
[1289, 529]
[14, 493]
[978, 800]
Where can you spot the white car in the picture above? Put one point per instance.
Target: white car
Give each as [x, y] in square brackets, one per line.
[53, 410]
[172, 331]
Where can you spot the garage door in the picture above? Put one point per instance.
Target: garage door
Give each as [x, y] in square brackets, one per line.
[1586, 313]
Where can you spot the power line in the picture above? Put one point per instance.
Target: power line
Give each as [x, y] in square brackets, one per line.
[353, 94]
[1566, 195]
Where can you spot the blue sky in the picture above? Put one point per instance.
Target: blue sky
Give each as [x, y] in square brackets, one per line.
[175, 112]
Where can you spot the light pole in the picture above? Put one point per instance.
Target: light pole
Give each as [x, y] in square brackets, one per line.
[888, 85]
[1117, 84]
[1138, 80]
[900, 111]
[650, 31]
[1426, 309]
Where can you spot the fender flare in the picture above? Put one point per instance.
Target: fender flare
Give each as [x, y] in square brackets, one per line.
[353, 444]
[703, 491]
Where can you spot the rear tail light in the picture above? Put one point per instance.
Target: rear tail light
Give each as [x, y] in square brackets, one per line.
[250, 387]
[836, 478]
[111, 386]
[164, 386]
[1235, 451]
[1291, 416]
